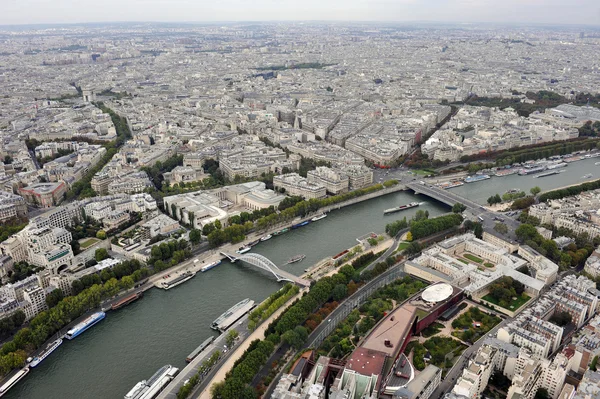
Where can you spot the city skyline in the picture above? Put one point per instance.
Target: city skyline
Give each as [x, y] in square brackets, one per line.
[578, 12]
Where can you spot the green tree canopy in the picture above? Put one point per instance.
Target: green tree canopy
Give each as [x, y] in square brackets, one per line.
[54, 297]
[100, 254]
[501, 228]
[195, 236]
[458, 208]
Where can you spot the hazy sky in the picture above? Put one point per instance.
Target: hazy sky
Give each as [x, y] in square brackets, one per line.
[521, 11]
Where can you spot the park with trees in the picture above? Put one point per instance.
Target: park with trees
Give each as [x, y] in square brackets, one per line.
[271, 304]
[507, 293]
[10, 227]
[439, 351]
[421, 226]
[168, 254]
[466, 329]
[426, 227]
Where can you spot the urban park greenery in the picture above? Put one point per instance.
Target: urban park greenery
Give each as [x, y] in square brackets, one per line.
[441, 349]
[465, 324]
[10, 227]
[271, 304]
[507, 293]
[360, 321]
[569, 191]
[427, 227]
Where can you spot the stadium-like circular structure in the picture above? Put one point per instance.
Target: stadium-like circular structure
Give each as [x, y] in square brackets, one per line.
[437, 293]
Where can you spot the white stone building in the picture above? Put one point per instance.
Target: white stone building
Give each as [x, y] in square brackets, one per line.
[294, 184]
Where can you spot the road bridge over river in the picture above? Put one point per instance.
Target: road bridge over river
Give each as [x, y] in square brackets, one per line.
[486, 216]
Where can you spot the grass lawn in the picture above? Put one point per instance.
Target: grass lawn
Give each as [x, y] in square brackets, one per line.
[514, 305]
[403, 245]
[423, 172]
[473, 258]
[487, 264]
[88, 243]
[432, 329]
[463, 261]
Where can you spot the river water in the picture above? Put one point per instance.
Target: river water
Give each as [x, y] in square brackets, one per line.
[165, 326]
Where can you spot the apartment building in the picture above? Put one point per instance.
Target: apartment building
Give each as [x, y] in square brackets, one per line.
[100, 183]
[11, 206]
[527, 379]
[15, 247]
[294, 184]
[333, 181]
[423, 386]
[589, 387]
[130, 184]
[55, 259]
[44, 195]
[34, 301]
[359, 176]
[476, 374]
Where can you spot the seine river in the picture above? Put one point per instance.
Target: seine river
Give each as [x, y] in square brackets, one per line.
[165, 326]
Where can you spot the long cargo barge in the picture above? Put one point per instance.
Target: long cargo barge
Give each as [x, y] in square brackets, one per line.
[12, 381]
[178, 280]
[199, 349]
[450, 184]
[344, 252]
[530, 171]
[297, 225]
[85, 325]
[546, 174]
[232, 315]
[126, 301]
[149, 389]
[400, 208]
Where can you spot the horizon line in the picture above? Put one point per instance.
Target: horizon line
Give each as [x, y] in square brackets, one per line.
[323, 21]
